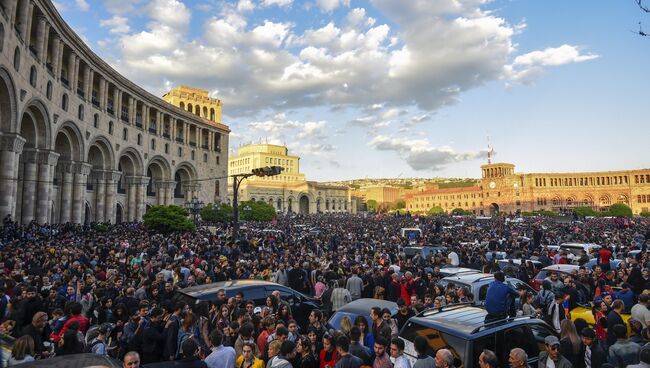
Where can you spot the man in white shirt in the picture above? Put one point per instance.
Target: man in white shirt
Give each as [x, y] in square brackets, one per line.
[453, 259]
[397, 353]
[221, 356]
[640, 310]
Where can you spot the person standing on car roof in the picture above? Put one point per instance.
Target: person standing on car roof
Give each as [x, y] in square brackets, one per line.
[498, 298]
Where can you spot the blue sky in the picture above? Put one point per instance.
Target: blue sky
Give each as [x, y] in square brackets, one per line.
[381, 88]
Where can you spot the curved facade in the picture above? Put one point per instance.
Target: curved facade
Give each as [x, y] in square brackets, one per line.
[79, 142]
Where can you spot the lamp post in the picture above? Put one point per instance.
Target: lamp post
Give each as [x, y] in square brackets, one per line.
[236, 182]
[194, 206]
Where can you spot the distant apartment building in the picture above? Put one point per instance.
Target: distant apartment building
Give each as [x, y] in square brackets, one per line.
[380, 193]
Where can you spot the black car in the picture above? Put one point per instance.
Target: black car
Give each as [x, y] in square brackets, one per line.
[360, 307]
[255, 290]
[75, 361]
[462, 330]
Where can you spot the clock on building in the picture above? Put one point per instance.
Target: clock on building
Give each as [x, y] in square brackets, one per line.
[493, 185]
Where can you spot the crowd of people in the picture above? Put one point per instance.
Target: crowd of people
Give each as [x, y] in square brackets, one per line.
[70, 289]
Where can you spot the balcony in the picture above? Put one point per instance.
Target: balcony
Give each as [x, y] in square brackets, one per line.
[204, 146]
[65, 82]
[193, 144]
[217, 148]
[179, 139]
[80, 93]
[124, 117]
[153, 131]
[166, 135]
[95, 102]
[110, 110]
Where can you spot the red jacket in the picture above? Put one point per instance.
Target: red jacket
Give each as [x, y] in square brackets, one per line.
[83, 326]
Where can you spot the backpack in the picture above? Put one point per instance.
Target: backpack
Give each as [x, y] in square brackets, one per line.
[182, 336]
[544, 299]
[89, 347]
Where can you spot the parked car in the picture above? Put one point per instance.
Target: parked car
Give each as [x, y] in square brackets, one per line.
[462, 330]
[75, 361]
[409, 252]
[360, 307]
[477, 284]
[451, 271]
[576, 248]
[255, 290]
[567, 269]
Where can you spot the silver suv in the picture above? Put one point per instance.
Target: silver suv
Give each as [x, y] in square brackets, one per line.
[477, 284]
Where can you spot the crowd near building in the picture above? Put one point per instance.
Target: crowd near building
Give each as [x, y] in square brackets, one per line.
[79, 142]
[289, 192]
[502, 189]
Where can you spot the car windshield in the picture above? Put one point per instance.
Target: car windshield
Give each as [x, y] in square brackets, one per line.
[437, 340]
[335, 321]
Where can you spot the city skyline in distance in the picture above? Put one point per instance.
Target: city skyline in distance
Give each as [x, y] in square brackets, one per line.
[559, 86]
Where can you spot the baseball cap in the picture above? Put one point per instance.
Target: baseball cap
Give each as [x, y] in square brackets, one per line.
[551, 340]
[257, 310]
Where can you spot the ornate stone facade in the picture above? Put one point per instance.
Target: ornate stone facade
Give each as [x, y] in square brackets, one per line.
[501, 189]
[290, 191]
[81, 143]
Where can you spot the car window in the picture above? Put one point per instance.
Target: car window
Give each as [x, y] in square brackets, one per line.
[540, 331]
[541, 275]
[437, 340]
[516, 337]
[256, 294]
[516, 283]
[482, 292]
[486, 342]
[286, 294]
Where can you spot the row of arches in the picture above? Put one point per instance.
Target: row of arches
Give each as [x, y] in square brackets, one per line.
[198, 110]
[602, 201]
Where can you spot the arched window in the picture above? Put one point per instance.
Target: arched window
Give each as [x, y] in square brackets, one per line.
[125, 134]
[96, 120]
[166, 147]
[197, 110]
[182, 105]
[64, 102]
[2, 37]
[189, 107]
[205, 112]
[80, 113]
[192, 154]
[139, 139]
[17, 59]
[48, 90]
[32, 76]
[153, 144]
[212, 117]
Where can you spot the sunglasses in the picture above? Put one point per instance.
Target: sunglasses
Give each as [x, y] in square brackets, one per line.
[554, 347]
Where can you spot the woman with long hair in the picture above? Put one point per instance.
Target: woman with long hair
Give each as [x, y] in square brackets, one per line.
[600, 317]
[570, 342]
[305, 357]
[105, 311]
[271, 306]
[22, 351]
[328, 356]
[284, 315]
[223, 318]
[367, 339]
[346, 325]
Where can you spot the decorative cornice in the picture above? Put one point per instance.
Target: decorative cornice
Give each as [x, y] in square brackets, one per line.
[12, 142]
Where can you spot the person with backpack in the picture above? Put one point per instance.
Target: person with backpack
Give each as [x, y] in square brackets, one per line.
[172, 329]
[555, 312]
[185, 332]
[98, 344]
[153, 338]
[544, 298]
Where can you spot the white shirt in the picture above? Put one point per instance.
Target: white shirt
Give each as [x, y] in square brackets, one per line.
[402, 362]
[641, 313]
[453, 259]
[221, 357]
[550, 363]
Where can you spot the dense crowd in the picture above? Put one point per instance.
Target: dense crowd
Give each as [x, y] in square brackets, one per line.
[70, 289]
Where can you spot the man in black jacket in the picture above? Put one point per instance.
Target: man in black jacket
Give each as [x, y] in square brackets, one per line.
[153, 339]
[592, 352]
[614, 318]
[171, 331]
[357, 349]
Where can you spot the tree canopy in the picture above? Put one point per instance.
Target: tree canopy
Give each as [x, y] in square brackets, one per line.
[167, 219]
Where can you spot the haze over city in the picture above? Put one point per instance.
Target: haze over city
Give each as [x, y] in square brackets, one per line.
[381, 88]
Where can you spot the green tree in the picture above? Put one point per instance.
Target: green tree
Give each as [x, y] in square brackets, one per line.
[620, 210]
[168, 219]
[459, 212]
[216, 213]
[585, 211]
[434, 211]
[645, 214]
[256, 211]
[372, 205]
[400, 204]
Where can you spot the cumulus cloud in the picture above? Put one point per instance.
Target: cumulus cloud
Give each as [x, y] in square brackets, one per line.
[528, 67]
[82, 5]
[420, 155]
[116, 24]
[429, 56]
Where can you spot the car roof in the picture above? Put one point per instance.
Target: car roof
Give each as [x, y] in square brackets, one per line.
[566, 268]
[76, 361]
[463, 320]
[457, 270]
[579, 245]
[216, 286]
[469, 277]
[362, 306]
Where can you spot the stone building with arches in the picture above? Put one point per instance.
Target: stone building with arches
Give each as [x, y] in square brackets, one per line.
[501, 189]
[288, 192]
[79, 142]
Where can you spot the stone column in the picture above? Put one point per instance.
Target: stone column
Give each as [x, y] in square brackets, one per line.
[131, 111]
[56, 43]
[116, 96]
[71, 76]
[111, 178]
[67, 179]
[60, 59]
[160, 192]
[46, 164]
[30, 176]
[101, 94]
[28, 30]
[81, 171]
[118, 105]
[159, 123]
[45, 43]
[11, 146]
[11, 11]
[40, 35]
[88, 89]
[100, 195]
[140, 183]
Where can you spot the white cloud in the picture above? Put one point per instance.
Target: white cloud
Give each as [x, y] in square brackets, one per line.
[280, 3]
[420, 155]
[330, 5]
[245, 5]
[172, 13]
[526, 68]
[116, 24]
[82, 5]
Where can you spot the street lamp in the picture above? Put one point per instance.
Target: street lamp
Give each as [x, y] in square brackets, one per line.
[194, 206]
[236, 182]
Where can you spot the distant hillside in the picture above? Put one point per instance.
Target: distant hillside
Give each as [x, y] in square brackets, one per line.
[408, 183]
